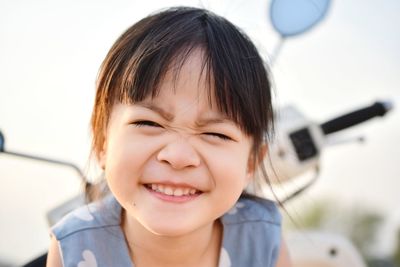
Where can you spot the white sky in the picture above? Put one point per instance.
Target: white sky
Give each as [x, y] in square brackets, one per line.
[50, 52]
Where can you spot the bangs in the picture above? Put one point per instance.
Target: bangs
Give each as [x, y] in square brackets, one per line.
[235, 75]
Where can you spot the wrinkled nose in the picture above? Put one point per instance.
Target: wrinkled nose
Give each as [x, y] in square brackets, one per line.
[179, 154]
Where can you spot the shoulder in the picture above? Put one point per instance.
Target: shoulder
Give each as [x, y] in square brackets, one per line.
[103, 213]
[252, 233]
[253, 209]
[93, 233]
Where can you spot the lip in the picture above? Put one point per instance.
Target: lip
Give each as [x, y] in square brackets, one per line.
[172, 198]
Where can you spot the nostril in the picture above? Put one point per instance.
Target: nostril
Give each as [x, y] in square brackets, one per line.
[179, 154]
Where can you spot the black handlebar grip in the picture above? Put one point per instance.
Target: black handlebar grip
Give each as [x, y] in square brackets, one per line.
[1, 142]
[355, 117]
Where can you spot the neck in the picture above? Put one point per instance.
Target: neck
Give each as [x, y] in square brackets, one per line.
[198, 248]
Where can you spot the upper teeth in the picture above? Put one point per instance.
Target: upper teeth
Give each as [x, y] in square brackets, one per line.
[173, 191]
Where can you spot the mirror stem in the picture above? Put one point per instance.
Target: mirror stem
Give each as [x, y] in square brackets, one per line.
[277, 50]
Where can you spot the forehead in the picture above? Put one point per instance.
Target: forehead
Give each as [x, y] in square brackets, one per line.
[187, 62]
[189, 77]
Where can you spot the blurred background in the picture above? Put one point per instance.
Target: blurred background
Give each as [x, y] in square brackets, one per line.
[50, 52]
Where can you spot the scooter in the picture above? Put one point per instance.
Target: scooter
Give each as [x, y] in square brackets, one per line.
[299, 142]
[297, 150]
[55, 214]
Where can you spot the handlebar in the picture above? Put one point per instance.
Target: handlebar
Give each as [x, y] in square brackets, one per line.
[1, 142]
[39, 158]
[356, 117]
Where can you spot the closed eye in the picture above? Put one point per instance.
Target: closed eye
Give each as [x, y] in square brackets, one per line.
[218, 135]
[146, 123]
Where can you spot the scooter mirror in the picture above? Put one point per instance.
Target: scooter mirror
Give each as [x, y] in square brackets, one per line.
[290, 18]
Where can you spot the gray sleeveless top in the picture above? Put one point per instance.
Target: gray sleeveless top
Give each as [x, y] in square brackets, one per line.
[91, 236]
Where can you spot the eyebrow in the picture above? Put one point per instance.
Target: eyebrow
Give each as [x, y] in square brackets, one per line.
[203, 121]
[212, 120]
[165, 114]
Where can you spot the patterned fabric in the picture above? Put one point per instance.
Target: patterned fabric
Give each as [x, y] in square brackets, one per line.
[91, 236]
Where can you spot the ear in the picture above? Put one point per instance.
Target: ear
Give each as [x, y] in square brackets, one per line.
[102, 156]
[253, 163]
[101, 159]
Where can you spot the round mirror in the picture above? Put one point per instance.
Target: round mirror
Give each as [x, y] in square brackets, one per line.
[290, 17]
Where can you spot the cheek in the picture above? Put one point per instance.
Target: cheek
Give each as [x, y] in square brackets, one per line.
[230, 168]
[126, 156]
[126, 160]
[229, 178]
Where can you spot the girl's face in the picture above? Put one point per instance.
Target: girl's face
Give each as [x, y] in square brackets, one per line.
[174, 162]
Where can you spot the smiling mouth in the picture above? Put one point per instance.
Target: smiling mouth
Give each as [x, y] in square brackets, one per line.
[175, 191]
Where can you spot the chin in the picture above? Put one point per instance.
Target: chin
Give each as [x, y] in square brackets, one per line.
[169, 231]
[173, 226]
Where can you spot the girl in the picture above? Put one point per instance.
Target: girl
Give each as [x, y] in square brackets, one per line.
[182, 109]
